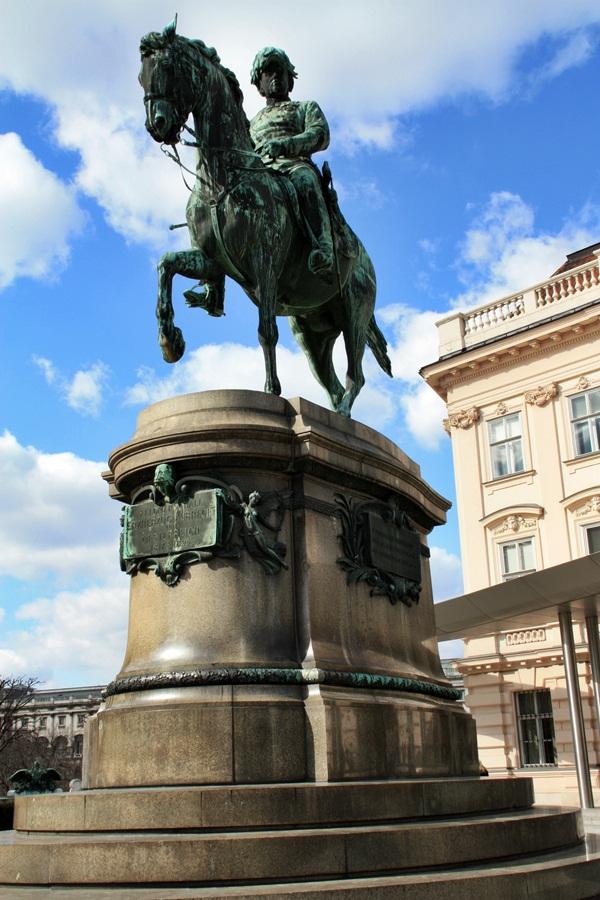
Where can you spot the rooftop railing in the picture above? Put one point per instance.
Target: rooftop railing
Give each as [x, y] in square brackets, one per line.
[493, 320]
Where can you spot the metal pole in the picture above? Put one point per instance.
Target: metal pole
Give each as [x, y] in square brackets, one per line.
[591, 627]
[581, 756]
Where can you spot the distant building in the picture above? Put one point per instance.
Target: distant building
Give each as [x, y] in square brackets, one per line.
[521, 379]
[62, 713]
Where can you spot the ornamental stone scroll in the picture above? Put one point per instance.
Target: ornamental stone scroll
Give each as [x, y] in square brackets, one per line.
[542, 395]
[515, 523]
[464, 418]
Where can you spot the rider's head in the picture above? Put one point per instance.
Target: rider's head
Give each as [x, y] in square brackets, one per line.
[272, 55]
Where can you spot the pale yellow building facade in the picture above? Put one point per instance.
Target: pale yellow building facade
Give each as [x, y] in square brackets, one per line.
[521, 379]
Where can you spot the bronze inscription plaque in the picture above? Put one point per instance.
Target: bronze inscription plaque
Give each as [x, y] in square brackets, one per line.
[393, 549]
[193, 524]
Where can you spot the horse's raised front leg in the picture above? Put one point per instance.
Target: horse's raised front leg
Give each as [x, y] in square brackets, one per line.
[268, 335]
[192, 264]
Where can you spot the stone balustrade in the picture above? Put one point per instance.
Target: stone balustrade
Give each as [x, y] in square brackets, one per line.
[492, 320]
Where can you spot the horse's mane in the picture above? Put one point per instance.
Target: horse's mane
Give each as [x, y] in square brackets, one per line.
[156, 40]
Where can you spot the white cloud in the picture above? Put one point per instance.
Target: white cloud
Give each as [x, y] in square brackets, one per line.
[84, 392]
[472, 49]
[58, 520]
[451, 649]
[575, 51]
[86, 389]
[59, 535]
[446, 574]
[224, 366]
[70, 638]
[141, 192]
[502, 252]
[230, 366]
[39, 215]
[424, 413]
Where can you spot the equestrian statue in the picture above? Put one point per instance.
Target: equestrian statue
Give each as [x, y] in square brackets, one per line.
[260, 212]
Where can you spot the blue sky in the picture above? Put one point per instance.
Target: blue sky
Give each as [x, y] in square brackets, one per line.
[465, 154]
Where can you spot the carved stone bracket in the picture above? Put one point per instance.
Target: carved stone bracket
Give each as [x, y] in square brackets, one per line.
[464, 418]
[542, 395]
[501, 409]
[583, 383]
[381, 548]
[590, 506]
[514, 524]
[173, 523]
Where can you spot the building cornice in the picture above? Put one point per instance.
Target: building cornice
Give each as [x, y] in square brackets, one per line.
[481, 360]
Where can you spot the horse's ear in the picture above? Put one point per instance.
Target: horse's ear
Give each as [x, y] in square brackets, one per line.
[169, 32]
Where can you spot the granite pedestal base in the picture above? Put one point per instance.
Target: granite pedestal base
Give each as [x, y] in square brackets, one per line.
[416, 839]
[239, 675]
[281, 724]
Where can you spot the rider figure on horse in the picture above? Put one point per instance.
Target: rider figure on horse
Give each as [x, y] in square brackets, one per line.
[285, 134]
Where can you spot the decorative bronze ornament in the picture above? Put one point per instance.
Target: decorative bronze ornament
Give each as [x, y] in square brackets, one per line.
[381, 547]
[172, 524]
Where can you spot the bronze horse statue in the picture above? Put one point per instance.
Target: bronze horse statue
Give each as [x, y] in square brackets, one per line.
[243, 224]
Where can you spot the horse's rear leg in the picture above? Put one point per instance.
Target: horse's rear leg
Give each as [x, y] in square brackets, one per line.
[318, 348]
[355, 339]
[268, 334]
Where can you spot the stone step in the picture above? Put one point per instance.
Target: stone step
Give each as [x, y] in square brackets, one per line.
[290, 855]
[267, 806]
[568, 875]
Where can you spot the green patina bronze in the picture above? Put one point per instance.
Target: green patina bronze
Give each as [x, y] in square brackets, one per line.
[254, 675]
[260, 212]
[36, 780]
[175, 522]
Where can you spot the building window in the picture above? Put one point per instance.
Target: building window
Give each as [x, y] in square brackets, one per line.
[585, 422]
[78, 745]
[62, 721]
[81, 717]
[536, 728]
[43, 721]
[517, 558]
[592, 538]
[506, 445]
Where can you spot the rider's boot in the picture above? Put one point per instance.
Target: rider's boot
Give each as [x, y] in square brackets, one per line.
[320, 262]
[212, 298]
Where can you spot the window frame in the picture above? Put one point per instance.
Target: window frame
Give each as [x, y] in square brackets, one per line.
[508, 442]
[541, 740]
[588, 418]
[517, 541]
[590, 526]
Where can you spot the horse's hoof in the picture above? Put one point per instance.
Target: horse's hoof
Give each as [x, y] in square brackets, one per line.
[172, 350]
[343, 409]
[273, 388]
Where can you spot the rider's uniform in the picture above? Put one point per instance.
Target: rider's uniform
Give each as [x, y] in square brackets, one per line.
[304, 129]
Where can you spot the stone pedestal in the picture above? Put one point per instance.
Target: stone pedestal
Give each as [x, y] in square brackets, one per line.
[240, 675]
[278, 729]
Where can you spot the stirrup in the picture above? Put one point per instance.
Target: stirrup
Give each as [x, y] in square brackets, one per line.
[320, 263]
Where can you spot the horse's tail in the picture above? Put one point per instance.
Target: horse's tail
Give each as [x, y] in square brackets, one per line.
[378, 345]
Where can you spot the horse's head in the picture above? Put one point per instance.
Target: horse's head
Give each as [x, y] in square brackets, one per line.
[181, 76]
[167, 95]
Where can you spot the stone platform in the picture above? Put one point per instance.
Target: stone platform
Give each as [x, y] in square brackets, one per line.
[281, 724]
[383, 839]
